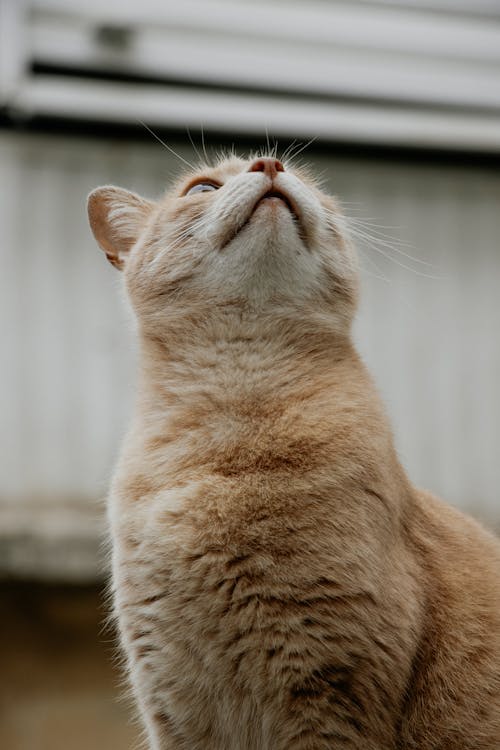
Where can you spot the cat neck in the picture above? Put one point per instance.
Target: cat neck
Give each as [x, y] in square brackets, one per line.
[234, 354]
[260, 394]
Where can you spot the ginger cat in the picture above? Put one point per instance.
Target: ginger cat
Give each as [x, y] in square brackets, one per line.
[278, 582]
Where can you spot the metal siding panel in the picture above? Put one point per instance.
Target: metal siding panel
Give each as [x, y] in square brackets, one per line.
[432, 343]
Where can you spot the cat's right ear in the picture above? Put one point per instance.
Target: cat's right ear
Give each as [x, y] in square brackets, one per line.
[117, 218]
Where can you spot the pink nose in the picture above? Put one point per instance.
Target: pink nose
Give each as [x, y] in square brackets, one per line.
[268, 165]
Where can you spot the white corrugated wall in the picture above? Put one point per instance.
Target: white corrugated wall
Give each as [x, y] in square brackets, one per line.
[428, 332]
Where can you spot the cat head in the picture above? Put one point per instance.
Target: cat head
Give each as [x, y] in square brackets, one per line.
[252, 234]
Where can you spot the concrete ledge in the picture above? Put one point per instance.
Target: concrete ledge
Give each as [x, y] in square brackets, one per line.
[53, 542]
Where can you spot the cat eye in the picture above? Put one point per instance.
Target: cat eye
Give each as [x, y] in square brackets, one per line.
[202, 187]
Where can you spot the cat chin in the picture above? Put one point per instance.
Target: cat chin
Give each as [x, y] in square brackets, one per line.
[266, 243]
[272, 221]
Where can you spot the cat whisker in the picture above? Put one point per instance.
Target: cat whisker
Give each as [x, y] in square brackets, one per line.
[368, 225]
[179, 238]
[366, 271]
[194, 146]
[379, 274]
[203, 144]
[380, 238]
[381, 243]
[390, 257]
[302, 148]
[165, 145]
[287, 151]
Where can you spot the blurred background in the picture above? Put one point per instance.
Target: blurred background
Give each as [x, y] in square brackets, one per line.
[402, 98]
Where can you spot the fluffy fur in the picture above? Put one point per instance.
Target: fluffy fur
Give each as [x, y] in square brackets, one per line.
[278, 582]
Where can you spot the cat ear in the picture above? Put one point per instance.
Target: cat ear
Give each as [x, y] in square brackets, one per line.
[117, 218]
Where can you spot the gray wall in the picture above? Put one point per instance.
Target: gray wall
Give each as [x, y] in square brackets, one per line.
[429, 333]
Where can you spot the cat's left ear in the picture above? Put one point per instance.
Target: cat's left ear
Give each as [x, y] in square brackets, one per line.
[117, 218]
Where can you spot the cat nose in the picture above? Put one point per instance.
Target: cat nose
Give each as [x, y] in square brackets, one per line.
[268, 165]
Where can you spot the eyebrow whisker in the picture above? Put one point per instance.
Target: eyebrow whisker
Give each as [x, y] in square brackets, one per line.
[194, 145]
[203, 143]
[302, 148]
[165, 145]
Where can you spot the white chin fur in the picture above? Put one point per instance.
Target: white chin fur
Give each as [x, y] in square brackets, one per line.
[233, 207]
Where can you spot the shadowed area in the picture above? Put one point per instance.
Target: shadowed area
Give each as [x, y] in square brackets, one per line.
[60, 682]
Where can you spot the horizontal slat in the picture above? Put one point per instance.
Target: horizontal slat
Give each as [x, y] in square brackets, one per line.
[337, 49]
[407, 30]
[353, 71]
[468, 8]
[253, 114]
